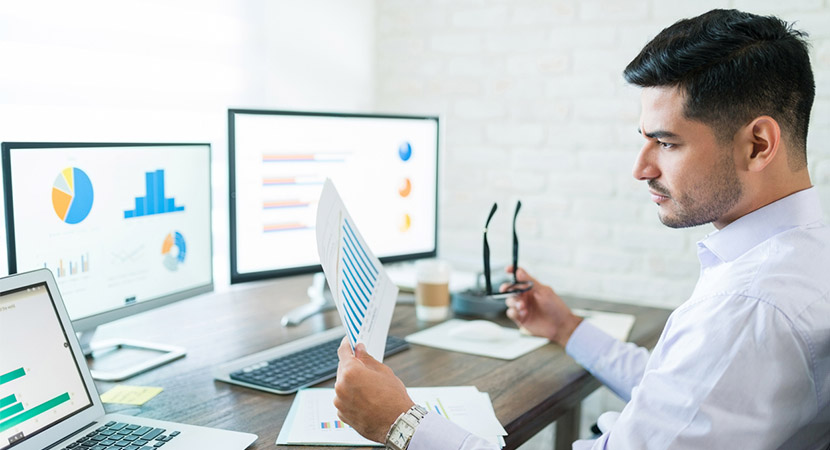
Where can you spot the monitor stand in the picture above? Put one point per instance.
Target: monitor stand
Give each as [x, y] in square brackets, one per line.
[124, 354]
[319, 300]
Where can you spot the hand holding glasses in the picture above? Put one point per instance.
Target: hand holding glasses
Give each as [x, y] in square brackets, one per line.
[517, 287]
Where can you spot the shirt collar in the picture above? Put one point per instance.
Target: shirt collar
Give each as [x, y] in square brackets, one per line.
[727, 244]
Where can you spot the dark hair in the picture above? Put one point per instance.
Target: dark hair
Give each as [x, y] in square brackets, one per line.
[734, 66]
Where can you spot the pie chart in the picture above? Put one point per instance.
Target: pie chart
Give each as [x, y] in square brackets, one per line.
[405, 151]
[72, 195]
[173, 250]
[406, 222]
[405, 188]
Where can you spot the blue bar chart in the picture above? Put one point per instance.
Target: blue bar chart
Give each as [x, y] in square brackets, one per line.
[357, 284]
[154, 201]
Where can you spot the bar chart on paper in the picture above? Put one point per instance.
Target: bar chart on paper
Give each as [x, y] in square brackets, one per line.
[364, 293]
[357, 284]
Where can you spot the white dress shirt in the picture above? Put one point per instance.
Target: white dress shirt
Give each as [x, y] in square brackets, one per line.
[743, 363]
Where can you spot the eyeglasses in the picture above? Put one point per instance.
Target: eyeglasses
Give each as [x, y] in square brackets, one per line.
[517, 286]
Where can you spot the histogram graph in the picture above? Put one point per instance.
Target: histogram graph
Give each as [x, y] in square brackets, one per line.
[13, 412]
[359, 277]
[154, 201]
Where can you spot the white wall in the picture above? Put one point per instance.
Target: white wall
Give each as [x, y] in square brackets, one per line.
[535, 108]
[156, 70]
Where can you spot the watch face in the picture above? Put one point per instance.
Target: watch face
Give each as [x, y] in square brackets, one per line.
[398, 439]
[401, 434]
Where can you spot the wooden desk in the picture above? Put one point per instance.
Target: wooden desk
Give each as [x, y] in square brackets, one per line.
[528, 393]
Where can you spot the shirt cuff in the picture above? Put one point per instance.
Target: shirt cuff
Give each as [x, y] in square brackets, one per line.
[588, 343]
[435, 431]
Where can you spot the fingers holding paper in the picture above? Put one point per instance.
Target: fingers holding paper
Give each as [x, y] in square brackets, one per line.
[368, 395]
[541, 311]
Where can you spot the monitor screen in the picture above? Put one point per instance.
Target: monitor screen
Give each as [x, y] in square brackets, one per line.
[384, 167]
[123, 227]
[40, 381]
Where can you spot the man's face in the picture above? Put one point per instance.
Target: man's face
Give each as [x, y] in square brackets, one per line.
[691, 177]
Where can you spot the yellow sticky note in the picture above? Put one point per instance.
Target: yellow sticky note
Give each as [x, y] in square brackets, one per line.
[130, 395]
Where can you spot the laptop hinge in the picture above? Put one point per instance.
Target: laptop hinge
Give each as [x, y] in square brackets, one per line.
[69, 437]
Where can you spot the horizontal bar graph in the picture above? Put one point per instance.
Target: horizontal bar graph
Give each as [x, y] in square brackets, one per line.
[291, 181]
[285, 204]
[281, 227]
[328, 157]
[6, 401]
[11, 376]
[10, 411]
[357, 284]
[34, 412]
[154, 201]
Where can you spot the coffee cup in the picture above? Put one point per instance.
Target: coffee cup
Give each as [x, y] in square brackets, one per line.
[432, 290]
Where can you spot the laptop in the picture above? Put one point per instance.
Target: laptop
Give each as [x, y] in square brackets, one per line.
[47, 396]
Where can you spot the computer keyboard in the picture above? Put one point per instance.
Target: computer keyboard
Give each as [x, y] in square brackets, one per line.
[303, 367]
[122, 436]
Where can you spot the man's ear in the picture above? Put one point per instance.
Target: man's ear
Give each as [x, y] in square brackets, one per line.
[762, 142]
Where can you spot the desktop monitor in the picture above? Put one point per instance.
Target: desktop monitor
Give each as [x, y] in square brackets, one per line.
[124, 228]
[385, 168]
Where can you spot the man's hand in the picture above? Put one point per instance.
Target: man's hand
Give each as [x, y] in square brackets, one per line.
[541, 311]
[368, 395]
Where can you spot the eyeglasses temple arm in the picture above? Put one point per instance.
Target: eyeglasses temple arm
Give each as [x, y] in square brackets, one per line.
[487, 283]
[516, 242]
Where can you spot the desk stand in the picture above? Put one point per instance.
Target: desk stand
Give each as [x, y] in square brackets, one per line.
[167, 354]
[319, 300]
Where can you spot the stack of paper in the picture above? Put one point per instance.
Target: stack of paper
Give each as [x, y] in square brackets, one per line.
[313, 420]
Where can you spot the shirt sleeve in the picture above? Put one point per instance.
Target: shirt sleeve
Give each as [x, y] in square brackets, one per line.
[618, 365]
[710, 389]
[437, 433]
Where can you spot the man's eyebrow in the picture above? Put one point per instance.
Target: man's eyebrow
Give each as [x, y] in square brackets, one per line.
[658, 134]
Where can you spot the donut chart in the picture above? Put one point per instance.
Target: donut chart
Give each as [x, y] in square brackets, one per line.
[174, 250]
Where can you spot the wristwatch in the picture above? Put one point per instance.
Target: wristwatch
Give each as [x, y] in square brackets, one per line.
[402, 430]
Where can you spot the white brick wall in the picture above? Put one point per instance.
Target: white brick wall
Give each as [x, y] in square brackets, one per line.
[534, 108]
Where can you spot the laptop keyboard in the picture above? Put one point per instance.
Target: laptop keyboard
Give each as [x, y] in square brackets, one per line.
[303, 368]
[123, 436]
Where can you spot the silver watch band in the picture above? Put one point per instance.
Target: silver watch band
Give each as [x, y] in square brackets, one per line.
[406, 422]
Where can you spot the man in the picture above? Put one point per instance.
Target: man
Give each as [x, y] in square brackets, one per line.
[745, 361]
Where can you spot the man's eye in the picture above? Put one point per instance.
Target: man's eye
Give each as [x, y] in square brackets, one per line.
[665, 145]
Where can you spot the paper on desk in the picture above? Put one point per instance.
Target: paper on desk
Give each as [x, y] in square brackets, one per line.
[616, 324]
[312, 419]
[364, 294]
[463, 405]
[511, 346]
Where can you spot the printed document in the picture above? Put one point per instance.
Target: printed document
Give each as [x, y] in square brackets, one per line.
[364, 294]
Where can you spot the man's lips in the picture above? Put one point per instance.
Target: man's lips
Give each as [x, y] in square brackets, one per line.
[657, 197]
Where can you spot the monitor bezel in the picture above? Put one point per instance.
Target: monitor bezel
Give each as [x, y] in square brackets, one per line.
[91, 322]
[235, 275]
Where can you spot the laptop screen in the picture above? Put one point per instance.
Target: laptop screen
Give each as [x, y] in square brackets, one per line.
[40, 382]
